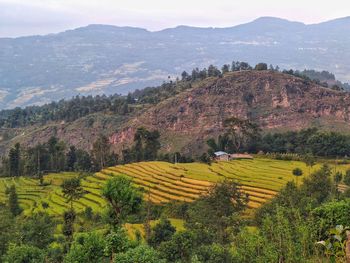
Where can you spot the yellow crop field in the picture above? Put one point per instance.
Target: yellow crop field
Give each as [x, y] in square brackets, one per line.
[161, 182]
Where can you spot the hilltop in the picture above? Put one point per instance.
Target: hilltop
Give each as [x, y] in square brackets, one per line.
[273, 100]
[104, 59]
[187, 113]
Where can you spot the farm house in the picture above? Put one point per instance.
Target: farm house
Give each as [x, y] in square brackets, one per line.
[223, 156]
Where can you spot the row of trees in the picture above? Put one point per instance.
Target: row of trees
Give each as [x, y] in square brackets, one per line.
[245, 136]
[64, 110]
[55, 156]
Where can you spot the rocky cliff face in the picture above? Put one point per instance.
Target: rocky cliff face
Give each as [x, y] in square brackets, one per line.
[275, 101]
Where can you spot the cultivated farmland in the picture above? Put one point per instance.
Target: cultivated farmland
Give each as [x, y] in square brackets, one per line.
[161, 182]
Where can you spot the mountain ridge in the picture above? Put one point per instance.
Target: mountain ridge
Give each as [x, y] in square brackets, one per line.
[101, 59]
[276, 101]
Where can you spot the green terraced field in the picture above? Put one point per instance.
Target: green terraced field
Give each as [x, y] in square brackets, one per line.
[163, 182]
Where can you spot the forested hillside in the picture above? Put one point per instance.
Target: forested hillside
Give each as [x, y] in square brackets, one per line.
[192, 108]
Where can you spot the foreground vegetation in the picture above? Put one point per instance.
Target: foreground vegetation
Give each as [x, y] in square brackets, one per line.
[211, 228]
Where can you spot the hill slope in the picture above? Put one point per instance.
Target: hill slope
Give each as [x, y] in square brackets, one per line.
[108, 59]
[275, 101]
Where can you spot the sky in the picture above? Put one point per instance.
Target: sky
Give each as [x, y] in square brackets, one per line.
[31, 17]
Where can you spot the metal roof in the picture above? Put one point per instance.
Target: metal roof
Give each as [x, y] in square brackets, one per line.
[219, 153]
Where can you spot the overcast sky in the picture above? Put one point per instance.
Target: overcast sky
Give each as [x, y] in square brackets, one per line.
[28, 17]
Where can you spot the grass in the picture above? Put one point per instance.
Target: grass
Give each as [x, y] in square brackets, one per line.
[162, 182]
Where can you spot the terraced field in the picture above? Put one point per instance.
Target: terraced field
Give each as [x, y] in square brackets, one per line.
[261, 179]
[31, 195]
[162, 182]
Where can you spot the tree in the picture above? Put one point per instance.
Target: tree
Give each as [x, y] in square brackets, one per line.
[15, 160]
[163, 231]
[318, 185]
[72, 190]
[297, 172]
[123, 198]
[310, 161]
[225, 68]
[338, 177]
[240, 131]
[71, 158]
[68, 224]
[38, 230]
[214, 253]
[140, 254]
[87, 248]
[179, 248]
[100, 152]
[24, 254]
[146, 145]
[7, 230]
[214, 216]
[13, 204]
[184, 75]
[261, 66]
[83, 162]
[117, 241]
[347, 177]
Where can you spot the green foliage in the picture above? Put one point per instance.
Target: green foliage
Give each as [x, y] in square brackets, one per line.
[140, 254]
[319, 184]
[240, 132]
[253, 247]
[123, 198]
[13, 204]
[329, 215]
[215, 214]
[37, 230]
[162, 231]
[87, 248]
[88, 213]
[7, 230]
[72, 190]
[297, 172]
[71, 158]
[146, 145]
[347, 178]
[335, 244]
[24, 254]
[292, 240]
[215, 253]
[179, 248]
[117, 241]
[14, 157]
[310, 142]
[68, 224]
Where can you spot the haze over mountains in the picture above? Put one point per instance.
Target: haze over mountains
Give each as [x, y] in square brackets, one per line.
[102, 59]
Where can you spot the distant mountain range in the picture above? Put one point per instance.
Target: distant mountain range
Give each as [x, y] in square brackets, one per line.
[108, 59]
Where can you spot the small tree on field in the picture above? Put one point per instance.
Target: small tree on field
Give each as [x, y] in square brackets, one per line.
[13, 204]
[297, 172]
[72, 190]
[310, 161]
[123, 198]
[337, 179]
